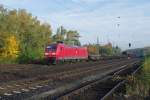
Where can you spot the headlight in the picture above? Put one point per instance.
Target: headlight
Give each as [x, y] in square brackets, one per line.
[53, 53]
[46, 54]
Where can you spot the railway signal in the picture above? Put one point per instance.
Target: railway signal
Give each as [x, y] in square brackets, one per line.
[129, 45]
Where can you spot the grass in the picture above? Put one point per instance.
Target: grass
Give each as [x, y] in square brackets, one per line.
[8, 60]
[138, 87]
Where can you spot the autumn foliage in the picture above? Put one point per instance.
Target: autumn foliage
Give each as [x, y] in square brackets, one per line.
[10, 49]
[22, 36]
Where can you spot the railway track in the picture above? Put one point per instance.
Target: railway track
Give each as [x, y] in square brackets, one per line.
[102, 89]
[37, 87]
[19, 72]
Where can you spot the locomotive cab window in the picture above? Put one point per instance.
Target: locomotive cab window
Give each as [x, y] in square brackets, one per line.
[51, 48]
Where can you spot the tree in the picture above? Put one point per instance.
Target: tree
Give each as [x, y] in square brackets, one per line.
[92, 49]
[34, 35]
[70, 37]
[60, 34]
[31, 33]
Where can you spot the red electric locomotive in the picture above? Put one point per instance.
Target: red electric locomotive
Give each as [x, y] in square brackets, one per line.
[61, 52]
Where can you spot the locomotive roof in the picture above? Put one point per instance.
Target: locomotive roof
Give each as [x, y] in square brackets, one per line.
[64, 45]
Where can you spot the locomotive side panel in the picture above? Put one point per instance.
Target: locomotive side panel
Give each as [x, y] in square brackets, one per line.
[61, 52]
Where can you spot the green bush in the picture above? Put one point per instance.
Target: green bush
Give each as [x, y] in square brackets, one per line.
[30, 55]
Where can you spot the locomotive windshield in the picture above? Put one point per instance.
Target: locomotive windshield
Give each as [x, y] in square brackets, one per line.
[51, 48]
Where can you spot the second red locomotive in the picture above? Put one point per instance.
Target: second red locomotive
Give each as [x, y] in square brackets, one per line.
[61, 52]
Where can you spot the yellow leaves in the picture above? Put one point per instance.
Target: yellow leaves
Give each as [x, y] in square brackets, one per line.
[92, 49]
[11, 48]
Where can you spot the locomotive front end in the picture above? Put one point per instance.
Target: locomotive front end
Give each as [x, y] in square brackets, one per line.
[50, 53]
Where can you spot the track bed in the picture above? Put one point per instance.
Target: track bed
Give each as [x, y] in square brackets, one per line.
[24, 81]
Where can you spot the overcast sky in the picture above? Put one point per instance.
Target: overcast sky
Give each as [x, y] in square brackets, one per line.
[116, 21]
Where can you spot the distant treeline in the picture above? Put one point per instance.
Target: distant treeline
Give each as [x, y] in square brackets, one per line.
[103, 50]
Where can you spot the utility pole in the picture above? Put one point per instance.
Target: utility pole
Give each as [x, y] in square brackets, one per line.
[118, 25]
[97, 40]
[98, 45]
